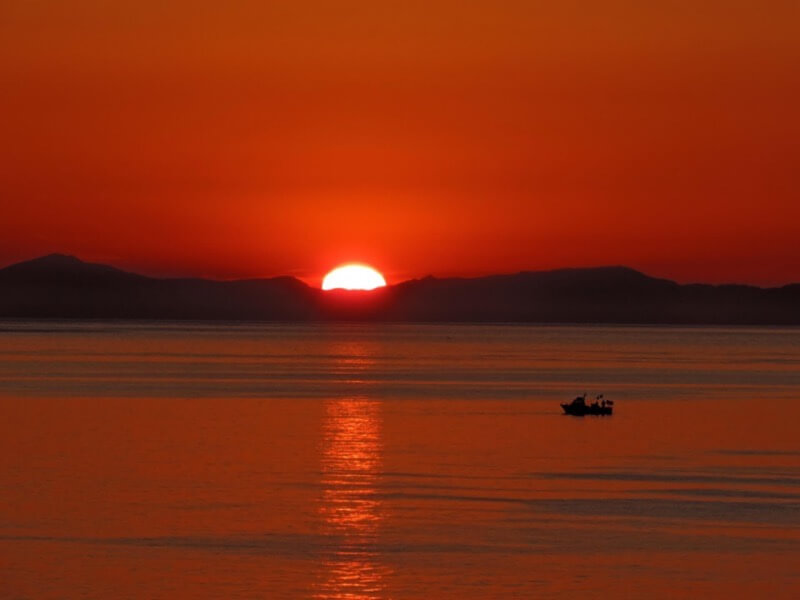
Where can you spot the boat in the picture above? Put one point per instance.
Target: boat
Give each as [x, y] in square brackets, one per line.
[579, 408]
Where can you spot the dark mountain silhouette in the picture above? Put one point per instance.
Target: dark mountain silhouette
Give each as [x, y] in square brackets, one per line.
[65, 287]
[58, 286]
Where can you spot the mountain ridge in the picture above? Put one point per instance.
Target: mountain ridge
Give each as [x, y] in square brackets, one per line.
[63, 286]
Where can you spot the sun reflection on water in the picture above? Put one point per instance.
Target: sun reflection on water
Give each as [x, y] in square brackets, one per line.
[350, 508]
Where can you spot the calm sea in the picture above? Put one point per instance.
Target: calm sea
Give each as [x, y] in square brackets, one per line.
[397, 461]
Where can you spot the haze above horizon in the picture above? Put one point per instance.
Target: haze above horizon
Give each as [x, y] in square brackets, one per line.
[459, 139]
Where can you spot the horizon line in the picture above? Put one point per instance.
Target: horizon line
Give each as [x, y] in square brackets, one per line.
[303, 280]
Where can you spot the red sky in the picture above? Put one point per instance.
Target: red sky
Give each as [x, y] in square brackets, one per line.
[446, 137]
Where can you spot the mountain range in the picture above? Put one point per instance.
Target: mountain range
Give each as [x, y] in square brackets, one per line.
[59, 286]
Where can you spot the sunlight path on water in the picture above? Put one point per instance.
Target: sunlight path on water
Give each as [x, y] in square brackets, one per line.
[350, 506]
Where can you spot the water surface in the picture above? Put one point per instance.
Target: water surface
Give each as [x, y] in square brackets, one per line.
[397, 461]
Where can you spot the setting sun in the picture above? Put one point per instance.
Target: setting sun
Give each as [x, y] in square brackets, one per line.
[353, 277]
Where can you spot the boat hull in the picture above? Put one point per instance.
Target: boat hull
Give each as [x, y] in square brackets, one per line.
[580, 411]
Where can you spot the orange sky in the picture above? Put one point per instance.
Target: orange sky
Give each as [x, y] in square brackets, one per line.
[448, 137]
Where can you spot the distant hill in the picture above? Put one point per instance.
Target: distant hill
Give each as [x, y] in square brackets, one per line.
[61, 286]
[58, 286]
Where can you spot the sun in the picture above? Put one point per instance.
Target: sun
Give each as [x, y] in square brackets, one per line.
[353, 277]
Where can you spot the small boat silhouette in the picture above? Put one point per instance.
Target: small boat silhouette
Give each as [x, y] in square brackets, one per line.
[579, 408]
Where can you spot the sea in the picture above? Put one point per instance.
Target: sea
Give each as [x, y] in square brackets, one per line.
[150, 460]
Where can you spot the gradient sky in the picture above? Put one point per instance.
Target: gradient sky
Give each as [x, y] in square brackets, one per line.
[447, 137]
